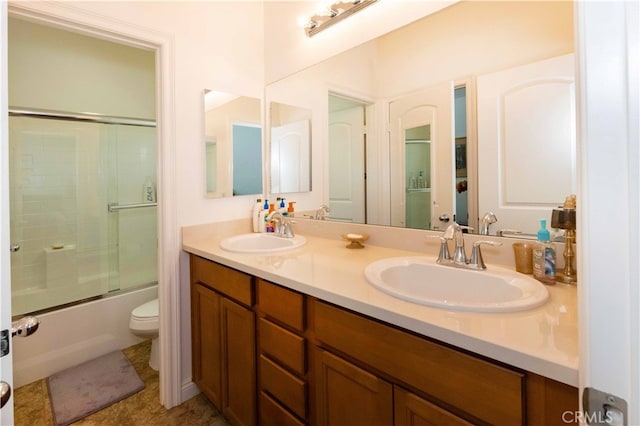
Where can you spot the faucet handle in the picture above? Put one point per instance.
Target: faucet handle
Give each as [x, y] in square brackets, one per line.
[286, 230]
[443, 255]
[476, 261]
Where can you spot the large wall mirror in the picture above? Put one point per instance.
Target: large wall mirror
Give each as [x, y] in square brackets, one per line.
[465, 114]
[233, 144]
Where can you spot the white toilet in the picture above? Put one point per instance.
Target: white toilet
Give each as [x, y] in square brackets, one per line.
[144, 323]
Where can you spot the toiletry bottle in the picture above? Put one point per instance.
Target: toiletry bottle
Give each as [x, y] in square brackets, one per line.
[420, 180]
[544, 257]
[271, 226]
[263, 216]
[255, 215]
[283, 209]
[290, 210]
[148, 191]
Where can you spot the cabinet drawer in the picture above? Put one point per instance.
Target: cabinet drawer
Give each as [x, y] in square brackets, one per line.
[484, 390]
[272, 413]
[281, 304]
[282, 345]
[410, 409]
[232, 283]
[284, 386]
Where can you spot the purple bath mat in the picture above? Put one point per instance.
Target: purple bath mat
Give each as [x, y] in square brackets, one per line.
[89, 387]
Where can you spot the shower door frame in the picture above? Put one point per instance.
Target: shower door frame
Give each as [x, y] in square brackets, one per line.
[67, 17]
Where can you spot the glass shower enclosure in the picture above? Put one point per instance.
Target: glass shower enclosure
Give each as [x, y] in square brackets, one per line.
[83, 207]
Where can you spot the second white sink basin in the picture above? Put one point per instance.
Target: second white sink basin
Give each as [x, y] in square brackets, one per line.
[421, 280]
[261, 243]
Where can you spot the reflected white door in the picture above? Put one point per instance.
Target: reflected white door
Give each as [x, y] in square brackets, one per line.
[526, 123]
[290, 154]
[428, 107]
[347, 165]
[6, 365]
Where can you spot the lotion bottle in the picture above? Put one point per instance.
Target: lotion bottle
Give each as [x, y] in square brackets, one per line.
[255, 215]
[544, 257]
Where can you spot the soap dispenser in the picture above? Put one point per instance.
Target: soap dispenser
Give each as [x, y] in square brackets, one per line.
[282, 208]
[544, 256]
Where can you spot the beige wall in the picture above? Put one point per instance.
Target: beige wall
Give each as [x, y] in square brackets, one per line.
[288, 49]
[58, 70]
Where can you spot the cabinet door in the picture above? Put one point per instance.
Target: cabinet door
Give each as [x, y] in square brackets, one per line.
[347, 395]
[411, 410]
[239, 364]
[206, 342]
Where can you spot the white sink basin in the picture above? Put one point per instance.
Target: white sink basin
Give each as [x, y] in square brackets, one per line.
[421, 280]
[261, 243]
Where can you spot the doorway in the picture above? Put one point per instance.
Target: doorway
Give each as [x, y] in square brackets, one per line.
[83, 179]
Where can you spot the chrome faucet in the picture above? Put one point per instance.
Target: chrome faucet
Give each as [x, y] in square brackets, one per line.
[321, 213]
[486, 221]
[282, 224]
[459, 258]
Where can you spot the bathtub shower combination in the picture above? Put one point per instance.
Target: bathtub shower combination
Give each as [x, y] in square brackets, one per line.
[83, 207]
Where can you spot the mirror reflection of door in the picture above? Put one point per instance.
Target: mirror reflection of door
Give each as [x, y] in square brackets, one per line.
[347, 164]
[211, 160]
[418, 177]
[460, 156]
[428, 108]
[247, 159]
[527, 141]
[290, 148]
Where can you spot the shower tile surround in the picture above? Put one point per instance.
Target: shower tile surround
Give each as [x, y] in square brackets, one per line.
[63, 175]
[543, 340]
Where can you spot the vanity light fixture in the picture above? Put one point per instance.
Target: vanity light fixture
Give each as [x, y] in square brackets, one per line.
[335, 13]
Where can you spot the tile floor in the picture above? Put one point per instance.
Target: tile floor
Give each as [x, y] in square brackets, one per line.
[32, 406]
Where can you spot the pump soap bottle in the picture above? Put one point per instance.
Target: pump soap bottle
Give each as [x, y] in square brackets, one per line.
[544, 257]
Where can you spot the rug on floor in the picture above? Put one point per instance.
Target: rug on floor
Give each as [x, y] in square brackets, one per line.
[89, 387]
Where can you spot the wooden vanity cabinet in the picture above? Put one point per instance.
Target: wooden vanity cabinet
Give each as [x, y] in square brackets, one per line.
[268, 355]
[282, 366]
[223, 339]
[362, 359]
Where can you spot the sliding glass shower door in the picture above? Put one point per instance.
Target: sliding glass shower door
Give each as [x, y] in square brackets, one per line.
[66, 176]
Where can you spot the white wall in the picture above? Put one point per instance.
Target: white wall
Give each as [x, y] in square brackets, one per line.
[216, 45]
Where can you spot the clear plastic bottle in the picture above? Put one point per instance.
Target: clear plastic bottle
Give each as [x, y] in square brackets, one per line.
[421, 180]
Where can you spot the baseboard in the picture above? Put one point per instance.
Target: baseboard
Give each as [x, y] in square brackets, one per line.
[189, 390]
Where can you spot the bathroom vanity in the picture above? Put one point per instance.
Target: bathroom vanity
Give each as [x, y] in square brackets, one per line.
[299, 338]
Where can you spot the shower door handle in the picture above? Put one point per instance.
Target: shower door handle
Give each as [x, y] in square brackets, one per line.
[25, 327]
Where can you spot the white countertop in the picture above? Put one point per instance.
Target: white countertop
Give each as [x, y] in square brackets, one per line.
[542, 340]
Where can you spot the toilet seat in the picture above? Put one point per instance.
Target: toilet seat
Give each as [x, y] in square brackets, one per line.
[144, 318]
[146, 310]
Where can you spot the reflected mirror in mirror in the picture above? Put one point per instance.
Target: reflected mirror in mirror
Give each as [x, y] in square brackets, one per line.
[233, 144]
[290, 128]
[494, 84]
